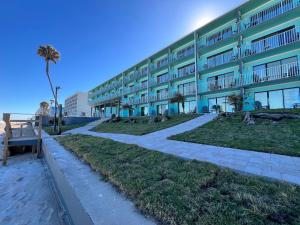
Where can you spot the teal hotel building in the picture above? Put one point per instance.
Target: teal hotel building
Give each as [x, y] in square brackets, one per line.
[252, 51]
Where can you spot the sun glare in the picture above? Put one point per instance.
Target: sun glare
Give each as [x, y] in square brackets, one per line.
[205, 19]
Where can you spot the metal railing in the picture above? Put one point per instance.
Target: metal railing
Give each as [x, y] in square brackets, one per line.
[272, 73]
[220, 59]
[135, 88]
[135, 76]
[183, 54]
[222, 83]
[274, 41]
[219, 36]
[271, 12]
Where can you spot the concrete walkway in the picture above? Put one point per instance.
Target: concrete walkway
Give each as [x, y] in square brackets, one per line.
[285, 168]
[25, 194]
[100, 201]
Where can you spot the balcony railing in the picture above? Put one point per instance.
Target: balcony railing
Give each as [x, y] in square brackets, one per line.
[135, 88]
[223, 83]
[135, 101]
[135, 76]
[185, 92]
[220, 36]
[188, 52]
[271, 42]
[273, 73]
[159, 65]
[159, 97]
[271, 12]
[220, 60]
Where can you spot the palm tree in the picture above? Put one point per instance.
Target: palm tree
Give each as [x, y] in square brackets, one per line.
[49, 54]
[236, 101]
[178, 98]
[44, 107]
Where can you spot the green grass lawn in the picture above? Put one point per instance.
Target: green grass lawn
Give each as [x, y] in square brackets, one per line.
[178, 191]
[282, 137]
[141, 127]
[64, 128]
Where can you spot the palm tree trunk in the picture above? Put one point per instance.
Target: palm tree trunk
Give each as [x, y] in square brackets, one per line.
[52, 89]
[48, 76]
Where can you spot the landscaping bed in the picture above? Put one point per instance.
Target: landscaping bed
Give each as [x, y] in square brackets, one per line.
[49, 129]
[141, 125]
[178, 191]
[266, 135]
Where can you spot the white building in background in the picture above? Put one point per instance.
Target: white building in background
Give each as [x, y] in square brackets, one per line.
[77, 105]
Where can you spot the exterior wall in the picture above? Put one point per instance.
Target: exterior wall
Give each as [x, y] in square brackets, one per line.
[77, 105]
[216, 75]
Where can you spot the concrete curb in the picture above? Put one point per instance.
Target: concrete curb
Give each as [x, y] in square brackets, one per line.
[86, 199]
[74, 209]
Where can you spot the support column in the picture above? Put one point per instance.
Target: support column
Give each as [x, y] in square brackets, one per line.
[196, 68]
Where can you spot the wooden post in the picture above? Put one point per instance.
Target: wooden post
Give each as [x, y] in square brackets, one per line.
[39, 136]
[21, 131]
[7, 135]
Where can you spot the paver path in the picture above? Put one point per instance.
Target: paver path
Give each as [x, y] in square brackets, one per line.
[273, 166]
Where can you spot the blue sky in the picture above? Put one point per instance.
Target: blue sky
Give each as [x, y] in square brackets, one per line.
[97, 40]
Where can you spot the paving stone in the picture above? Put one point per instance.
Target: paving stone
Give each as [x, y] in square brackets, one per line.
[252, 162]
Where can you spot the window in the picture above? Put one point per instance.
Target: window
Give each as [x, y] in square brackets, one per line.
[144, 84]
[143, 98]
[220, 58]
[187, 88]
[189, 107]
[160, 109]
[222, 103]
[185, 52]
[224, 34]
[144, 111]
[276, 70]
[276, 99]
[186, 70]
[291, 97]
[144, 71]
[162, 78]
[162, 94]
[286, 98]
[222, 81]
[162, 62]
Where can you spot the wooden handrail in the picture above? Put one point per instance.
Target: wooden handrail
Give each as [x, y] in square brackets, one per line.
[24, 121]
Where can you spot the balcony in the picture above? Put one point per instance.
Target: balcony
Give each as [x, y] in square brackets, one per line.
[135, 76]
[223, 82]
[159, 65]
[159, 97]
[284, 71]
[135, 101]
[186, 92]
[161, 79]
[184, 54]
[272, 42]
[135, 88]
[271, 12]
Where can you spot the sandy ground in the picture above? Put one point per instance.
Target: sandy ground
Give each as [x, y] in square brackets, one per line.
[25, 195]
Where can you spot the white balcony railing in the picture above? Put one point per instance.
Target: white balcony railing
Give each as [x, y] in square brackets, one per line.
[274, 41]
[222, 83]
[220, 59]
[271, 12]
[273, 73]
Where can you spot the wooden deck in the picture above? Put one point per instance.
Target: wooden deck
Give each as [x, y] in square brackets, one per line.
[21, 133]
